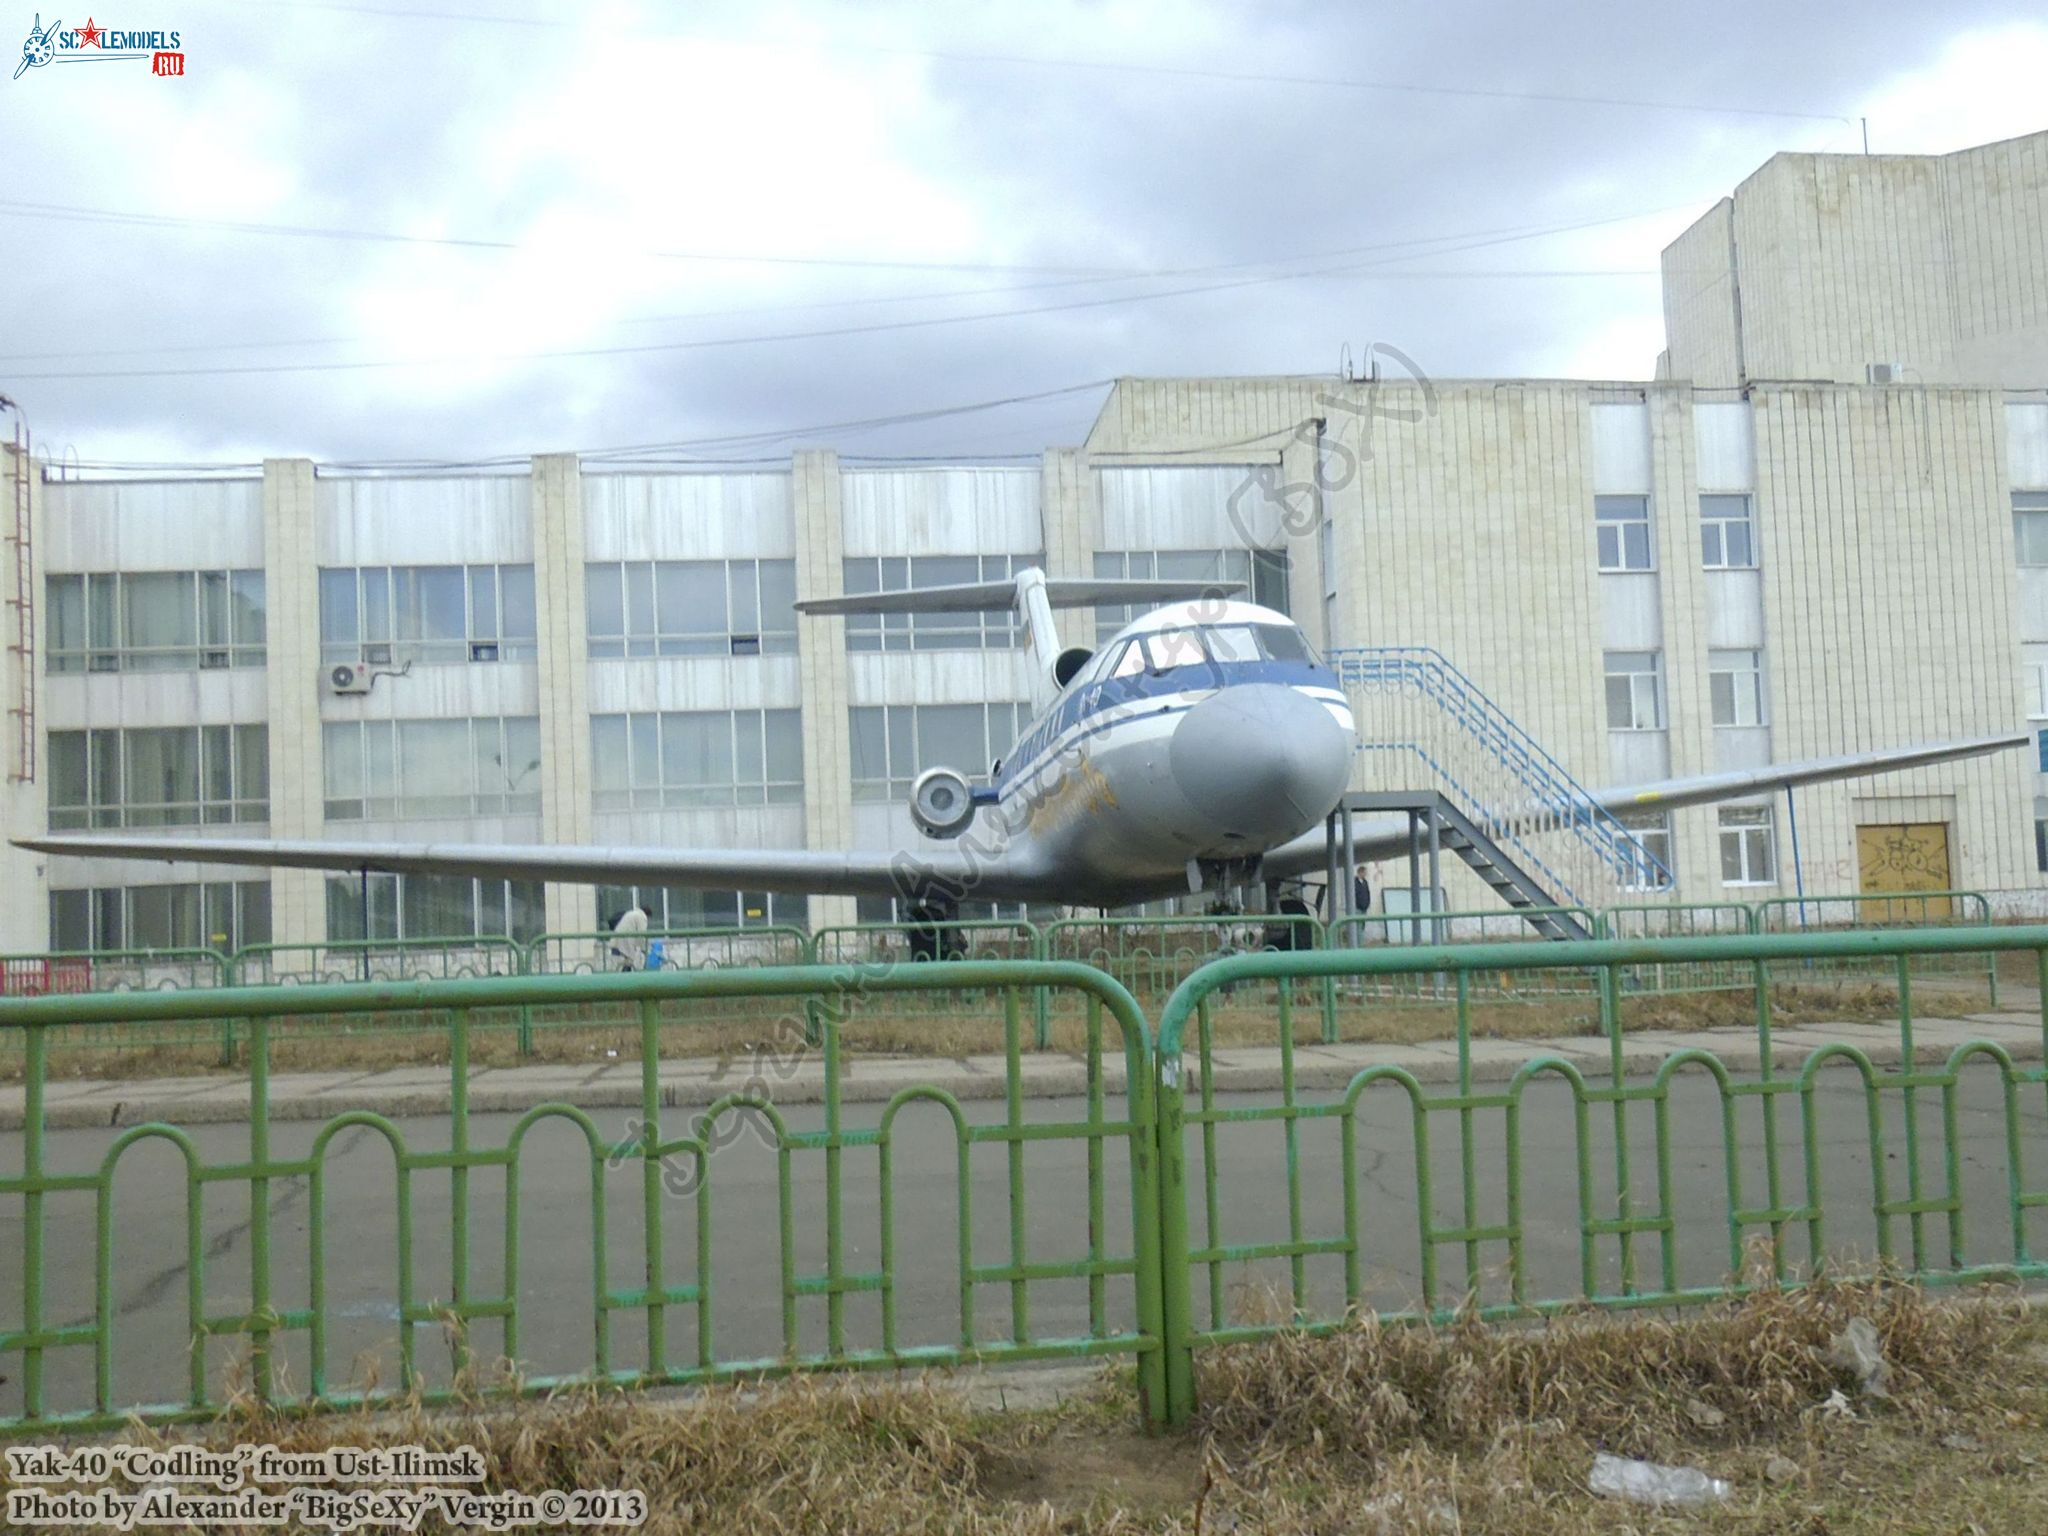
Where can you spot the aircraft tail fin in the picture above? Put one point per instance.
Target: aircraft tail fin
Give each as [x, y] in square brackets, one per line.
[1033, 596]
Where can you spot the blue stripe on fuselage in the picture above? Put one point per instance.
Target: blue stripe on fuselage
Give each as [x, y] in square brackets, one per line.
[1066, 720]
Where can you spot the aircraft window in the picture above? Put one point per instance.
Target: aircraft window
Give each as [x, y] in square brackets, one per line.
[1174, 648]
[1236, 643]
[1130, 661]
[1281, 643]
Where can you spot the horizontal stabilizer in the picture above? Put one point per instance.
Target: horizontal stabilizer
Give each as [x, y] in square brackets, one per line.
[1001, 596]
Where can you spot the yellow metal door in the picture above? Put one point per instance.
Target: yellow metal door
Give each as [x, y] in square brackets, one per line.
[1904, 859]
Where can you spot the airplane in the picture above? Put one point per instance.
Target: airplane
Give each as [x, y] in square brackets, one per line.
[1201, 750]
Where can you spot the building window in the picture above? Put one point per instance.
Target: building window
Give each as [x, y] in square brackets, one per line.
[1624, 523]
[2034, 668]
[894, 743]
[1735, 682]
[1749, 854]
[1635, 691]
[223, 915]
[2041, 833]
[690, 608]
[1262, 573]
[169, 776]
[433, 907]
[677, 908]
[154, 621]
[396, 770]
[693, 758]
[892, 910]
[1727, 533]
[993, 631]
[1653, 830]
[2030, 526]
[436, 615]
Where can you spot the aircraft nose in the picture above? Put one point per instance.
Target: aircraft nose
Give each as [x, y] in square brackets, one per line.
[1262, 761]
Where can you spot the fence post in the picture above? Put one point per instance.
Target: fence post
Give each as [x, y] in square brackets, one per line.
[1176, 1274]
[1321, 937]
[523, 954]
[225, 968]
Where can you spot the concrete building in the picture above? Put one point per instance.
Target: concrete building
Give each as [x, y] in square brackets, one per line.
[1762, 554]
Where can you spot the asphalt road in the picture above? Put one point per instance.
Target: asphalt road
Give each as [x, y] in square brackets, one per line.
[556, 1247]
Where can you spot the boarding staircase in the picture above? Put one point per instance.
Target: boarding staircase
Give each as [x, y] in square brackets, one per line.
[1503, 804]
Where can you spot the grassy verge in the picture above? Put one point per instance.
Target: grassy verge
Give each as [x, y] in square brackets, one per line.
[1482, 1432]
[950, 1025]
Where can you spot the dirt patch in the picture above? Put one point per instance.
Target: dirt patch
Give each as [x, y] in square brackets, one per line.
[1083, 1470]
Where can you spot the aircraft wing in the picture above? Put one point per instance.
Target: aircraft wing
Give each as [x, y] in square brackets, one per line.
[1385, 837]
[948, 868]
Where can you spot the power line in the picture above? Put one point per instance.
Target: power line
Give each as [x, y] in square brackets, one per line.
[627, 455]
[72, 214]
[1117, 66]
[1449, 243]
[701, 344]
[1446, 244]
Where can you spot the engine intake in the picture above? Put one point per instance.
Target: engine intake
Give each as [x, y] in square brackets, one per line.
[941, 802]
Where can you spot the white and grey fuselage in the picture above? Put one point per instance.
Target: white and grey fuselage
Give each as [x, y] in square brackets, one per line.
[1199, 738]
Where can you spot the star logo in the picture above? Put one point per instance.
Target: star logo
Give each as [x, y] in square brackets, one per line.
[89, 35]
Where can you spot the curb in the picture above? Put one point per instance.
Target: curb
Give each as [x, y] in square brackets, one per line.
[499, 1092]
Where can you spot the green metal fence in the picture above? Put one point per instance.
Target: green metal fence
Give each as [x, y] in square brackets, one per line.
[672, 949]
[1409, 1181]
[1919, 909]
[1626, 1200]
[1149, 955]
[461, 1277]
[349, 960]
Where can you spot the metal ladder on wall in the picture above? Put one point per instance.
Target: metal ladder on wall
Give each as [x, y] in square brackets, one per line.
[1422, 721]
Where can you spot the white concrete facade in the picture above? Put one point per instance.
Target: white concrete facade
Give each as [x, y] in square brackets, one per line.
[1820, 267]
[1705, 572]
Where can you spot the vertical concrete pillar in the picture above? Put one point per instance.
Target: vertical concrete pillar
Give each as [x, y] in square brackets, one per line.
[558, 550]
[1070, 512]
[291, 591]
[1682, 595]
[821, 668]
[24, 806]
[1303, 506]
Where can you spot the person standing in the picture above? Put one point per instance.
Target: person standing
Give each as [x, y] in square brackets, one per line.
[629, 940]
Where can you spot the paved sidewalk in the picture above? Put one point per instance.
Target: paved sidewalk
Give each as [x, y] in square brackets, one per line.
[413, 1090]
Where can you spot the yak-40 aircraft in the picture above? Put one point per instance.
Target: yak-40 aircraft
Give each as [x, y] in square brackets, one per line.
[1201, 750]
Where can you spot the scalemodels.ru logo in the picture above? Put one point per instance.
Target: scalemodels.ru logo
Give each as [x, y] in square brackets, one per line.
[56, 44]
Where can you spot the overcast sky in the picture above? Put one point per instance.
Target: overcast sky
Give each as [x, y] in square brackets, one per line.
[555, 226]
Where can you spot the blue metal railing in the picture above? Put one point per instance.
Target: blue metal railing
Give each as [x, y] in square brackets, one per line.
[1555, 801]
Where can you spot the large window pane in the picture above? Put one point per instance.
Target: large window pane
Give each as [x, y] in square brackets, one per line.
[159, 620]
[434, 766]
[64, 606]
[517, 621]
[250, 625]
[339, 624]
[951, 736]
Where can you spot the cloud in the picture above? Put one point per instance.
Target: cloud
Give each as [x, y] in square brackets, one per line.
[889, 132]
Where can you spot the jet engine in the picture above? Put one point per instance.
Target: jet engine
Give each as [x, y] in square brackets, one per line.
[941, 802]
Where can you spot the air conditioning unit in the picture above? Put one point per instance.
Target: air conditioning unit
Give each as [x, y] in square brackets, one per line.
[347, 677]
[1885, 373]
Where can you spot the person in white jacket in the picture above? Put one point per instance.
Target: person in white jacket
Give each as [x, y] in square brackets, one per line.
[629, 940]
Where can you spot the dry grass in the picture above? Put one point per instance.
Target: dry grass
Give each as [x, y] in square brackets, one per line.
[961, 1024]
[1483, 1432]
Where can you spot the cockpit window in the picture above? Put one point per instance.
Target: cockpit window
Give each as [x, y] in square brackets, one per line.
[1282, 642]
[1129, 661]
[1233, 642]
[1170, 648]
